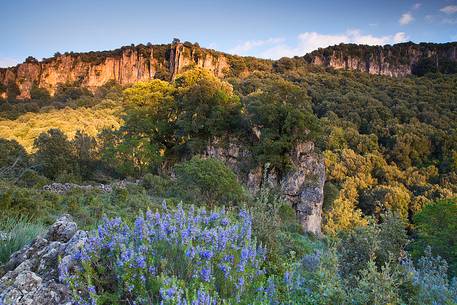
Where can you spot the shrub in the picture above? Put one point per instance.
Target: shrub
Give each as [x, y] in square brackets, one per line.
[436, 227]
[208, 181]
[157, 185]
[430, 277]
[31, 178]
[382, 243]
[31, 203]
[377, 287]
[173, 257]
[313, 280]
[16, 232]
[275, 225]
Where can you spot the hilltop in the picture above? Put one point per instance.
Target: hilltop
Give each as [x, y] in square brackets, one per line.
[134, 63]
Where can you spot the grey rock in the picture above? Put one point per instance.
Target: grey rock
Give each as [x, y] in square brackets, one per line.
[31, 276]
[62, 230]
[303, 186]
[63, 188]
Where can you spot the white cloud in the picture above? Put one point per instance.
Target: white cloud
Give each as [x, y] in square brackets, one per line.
[6, 62]
[310, 41]
[406, 18]
[313, 40]
[449, 9]
[252, 44]
[400, 37]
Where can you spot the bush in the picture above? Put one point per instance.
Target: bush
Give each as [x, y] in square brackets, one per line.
[382, 243]
[157, 185]
[313, 280]
[31, 203]
[430, 278]
[208, 181]
[31, 178]
[169, 258]
[436, 227]
[15, 233]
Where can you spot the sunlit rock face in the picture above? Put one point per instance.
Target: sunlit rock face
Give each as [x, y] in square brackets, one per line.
[302, 186]
[140, 63]
[125, 66]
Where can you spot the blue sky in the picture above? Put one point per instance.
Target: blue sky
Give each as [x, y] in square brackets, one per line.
[263, 28]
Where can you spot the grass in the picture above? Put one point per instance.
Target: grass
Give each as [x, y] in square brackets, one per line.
[15, 233]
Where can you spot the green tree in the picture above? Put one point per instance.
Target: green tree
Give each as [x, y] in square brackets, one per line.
[13, 159]
[84, 150]
[436, 226]
[208, 181]
[129, 154]
[382, 243]
[12, 152]
[54, 154]
[206, 108]
[281, 111]
[377, 287]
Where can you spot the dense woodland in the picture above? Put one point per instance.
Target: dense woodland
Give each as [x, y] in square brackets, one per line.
[390, 148]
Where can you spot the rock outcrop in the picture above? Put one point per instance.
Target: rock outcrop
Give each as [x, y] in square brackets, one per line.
[125, 66]
[303, 186]
[140, 63]
[397, 60]
[31, 276]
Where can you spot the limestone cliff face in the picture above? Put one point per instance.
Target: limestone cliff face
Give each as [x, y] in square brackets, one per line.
[398, 60]
[139, 63]
[303, 186]
[126, 65]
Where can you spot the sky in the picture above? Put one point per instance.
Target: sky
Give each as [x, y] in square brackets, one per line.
[262, 28]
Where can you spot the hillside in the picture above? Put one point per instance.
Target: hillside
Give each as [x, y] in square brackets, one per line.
[197, 177]
[144, 62]
[27, 127]
[125, 66]
[401, 59]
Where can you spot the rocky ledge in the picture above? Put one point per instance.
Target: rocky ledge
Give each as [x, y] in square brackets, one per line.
[302, 186]
[31, 276]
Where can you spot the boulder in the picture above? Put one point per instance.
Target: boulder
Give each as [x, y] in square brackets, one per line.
[31, 276]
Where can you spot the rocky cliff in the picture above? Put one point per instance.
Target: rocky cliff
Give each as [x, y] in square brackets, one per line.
[143, 62]
[302, 186]
[94, 69]
[397, 60]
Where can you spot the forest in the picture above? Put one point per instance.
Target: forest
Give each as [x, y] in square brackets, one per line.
[184, 229]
